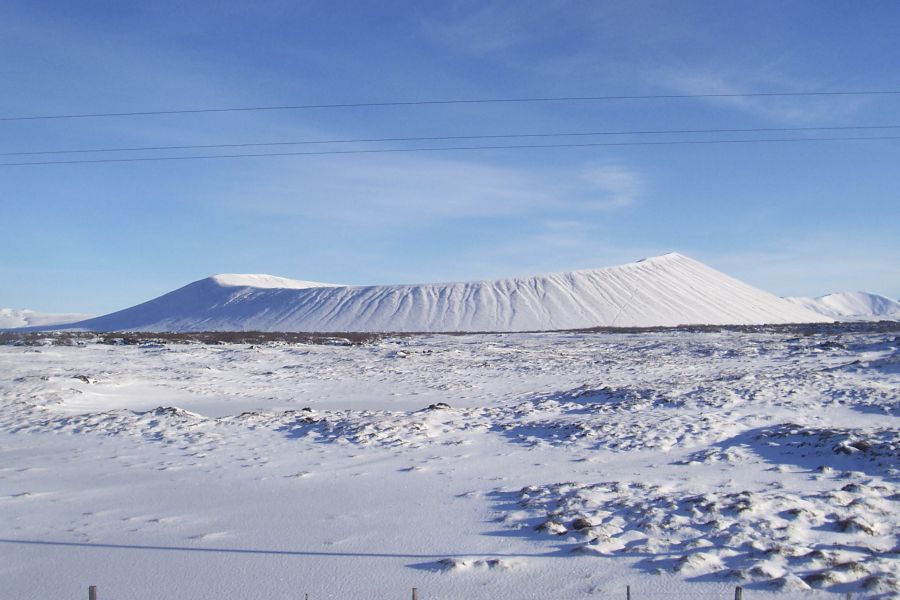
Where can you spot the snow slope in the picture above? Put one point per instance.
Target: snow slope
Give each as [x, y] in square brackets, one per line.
[852, 306]
[666, 290]
[22, 317]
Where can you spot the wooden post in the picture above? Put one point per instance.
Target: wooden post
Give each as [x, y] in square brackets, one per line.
[627, 592]
[738, 593]
[92, 592]
[415, 594]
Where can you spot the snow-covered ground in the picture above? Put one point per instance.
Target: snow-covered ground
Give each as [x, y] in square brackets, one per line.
[503, 466]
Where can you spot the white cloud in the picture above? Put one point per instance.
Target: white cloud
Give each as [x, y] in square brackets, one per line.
[618, 186]
[410, 191]
[747, 79]
[385, 190]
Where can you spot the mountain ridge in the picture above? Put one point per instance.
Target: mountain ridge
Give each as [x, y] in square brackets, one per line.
[261, 280]
[667, 290]
[852, 306]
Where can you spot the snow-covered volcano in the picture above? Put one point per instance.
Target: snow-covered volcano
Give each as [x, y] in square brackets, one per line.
[852, 306]
[666, 290]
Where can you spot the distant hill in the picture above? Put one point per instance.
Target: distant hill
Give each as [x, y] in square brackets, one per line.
[667, 290]
[22, 317]
[852, 306]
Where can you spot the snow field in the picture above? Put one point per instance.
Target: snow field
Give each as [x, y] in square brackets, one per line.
[503, 466]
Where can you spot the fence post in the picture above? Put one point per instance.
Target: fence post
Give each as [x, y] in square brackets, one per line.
[415, 595]
[92, 592]
[738, 593]
[627, 592]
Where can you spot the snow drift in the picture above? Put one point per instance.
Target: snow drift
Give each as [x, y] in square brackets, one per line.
[852, 306]
[667, 290]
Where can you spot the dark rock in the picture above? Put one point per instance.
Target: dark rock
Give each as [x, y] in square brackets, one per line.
[581, 523]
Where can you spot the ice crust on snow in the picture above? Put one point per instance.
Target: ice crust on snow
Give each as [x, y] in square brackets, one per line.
[852, 306]
[668, 290]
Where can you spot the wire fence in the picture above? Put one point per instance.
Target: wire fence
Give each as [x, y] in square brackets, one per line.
[738, 594]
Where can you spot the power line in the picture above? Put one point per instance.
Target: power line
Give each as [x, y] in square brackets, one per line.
[453, 137]
[446, 102]
[449, 148]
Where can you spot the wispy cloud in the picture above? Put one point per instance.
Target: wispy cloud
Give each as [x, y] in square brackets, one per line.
[468, 219]
[383, 191]
[560, 39]
[489, 27]
[644, 47]
[747, 79]
[551, 246]
[617, 186]
[413, 190]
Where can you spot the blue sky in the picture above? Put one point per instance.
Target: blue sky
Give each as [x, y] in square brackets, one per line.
[795, 219]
